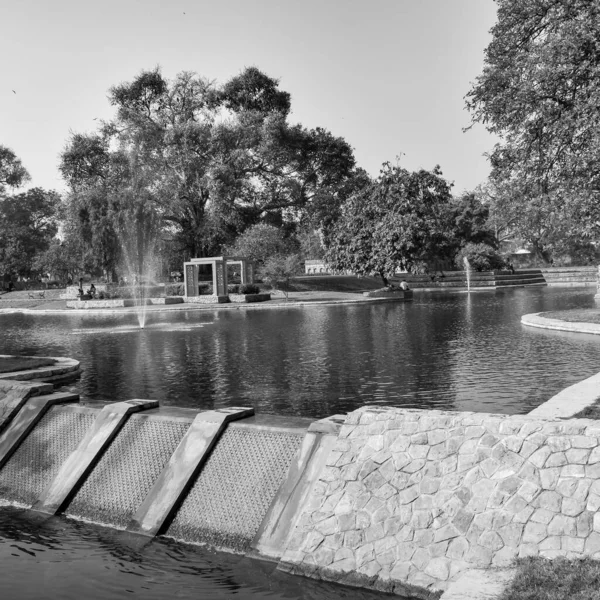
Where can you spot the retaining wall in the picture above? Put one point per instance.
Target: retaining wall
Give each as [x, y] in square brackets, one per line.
[409, 500]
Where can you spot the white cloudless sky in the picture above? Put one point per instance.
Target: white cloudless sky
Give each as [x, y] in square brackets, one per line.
[389, 76]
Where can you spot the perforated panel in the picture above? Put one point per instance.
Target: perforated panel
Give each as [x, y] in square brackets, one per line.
[38, 459]
[228, 502]
[123, 477]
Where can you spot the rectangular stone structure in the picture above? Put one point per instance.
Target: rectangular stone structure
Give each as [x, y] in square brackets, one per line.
[28, 416]
[81, 462]
[180, 472]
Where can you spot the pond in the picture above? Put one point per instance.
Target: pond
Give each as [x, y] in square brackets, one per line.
[444, 351]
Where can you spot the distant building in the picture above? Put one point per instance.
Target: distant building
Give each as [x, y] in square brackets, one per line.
[316, 267]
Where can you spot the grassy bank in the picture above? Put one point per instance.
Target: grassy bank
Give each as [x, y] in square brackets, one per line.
[558, 579]
[576, 315]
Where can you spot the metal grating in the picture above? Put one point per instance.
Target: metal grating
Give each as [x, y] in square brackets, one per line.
[37, 460]
[124, 475]
[228, 502]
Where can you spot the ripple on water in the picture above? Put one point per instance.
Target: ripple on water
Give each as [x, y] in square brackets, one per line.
[445, 351]
[56, 557]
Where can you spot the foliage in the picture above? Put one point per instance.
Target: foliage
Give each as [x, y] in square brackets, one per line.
[12, 172]
[261, 241]
[58, 260]
[28, 225]
[249, 288]
[397, 223]
[311, 246]
[539, 91]
[207, 160]
[174, 289]
[279, 269]
[471, 221]
[575, 252]
[481, 257]
[537, 220]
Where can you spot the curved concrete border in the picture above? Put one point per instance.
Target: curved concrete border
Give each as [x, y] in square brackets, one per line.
[571, 400]
[62, 369]
[186, 306]
[537, 320]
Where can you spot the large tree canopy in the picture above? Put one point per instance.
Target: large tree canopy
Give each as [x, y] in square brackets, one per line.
[28, 225]
[12, 172]
[540, 92]
[402, 221]
[209, 160]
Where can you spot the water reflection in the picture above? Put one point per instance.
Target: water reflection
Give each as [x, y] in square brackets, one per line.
[454, 351]
[60, 558]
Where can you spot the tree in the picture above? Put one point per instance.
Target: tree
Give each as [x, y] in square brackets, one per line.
[539, 91]
[535, 220]
[278, 270]
[216, 159]
[311, 245]
[399, 222]
[59, 260]
[259, 242]
[481, 257]
[28, 225]
[12, 172]
[471, 221]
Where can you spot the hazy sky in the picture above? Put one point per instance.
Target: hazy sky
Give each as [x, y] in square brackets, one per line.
[387, 75]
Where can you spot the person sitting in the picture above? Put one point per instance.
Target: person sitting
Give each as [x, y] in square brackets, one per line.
[404, 285]
[92, 291]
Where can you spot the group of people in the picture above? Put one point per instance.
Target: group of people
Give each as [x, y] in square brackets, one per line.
[91, 292]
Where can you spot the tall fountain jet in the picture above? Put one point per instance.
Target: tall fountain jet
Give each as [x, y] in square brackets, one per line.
[468, 273]
[141, 267]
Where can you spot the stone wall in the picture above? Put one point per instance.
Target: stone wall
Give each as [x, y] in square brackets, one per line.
[411, 499]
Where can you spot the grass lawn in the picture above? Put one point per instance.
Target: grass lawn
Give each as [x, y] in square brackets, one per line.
[18, 363]
[576, 315]
[558, 579]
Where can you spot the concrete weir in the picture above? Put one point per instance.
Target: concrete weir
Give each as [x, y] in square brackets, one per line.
[402, 501]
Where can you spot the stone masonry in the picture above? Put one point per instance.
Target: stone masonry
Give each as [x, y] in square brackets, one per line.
[410, 499]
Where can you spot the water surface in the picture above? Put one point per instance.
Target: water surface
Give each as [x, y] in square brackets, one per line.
[62, 559]
[445, 351]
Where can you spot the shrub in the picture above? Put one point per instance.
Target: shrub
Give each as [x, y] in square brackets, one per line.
[233, 288]
[249, 288]
[481, 257]
[205, 289]
[174, 289]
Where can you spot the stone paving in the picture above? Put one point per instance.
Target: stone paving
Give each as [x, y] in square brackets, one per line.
[411, 499]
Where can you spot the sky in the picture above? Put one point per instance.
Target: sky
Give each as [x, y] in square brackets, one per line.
[389, 76]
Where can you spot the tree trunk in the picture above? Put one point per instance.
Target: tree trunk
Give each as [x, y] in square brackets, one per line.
[384, 278]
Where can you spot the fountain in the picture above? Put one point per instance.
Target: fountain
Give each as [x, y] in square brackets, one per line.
[139, 239]
[468, 273]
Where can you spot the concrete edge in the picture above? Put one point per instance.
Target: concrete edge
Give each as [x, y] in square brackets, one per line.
[537, 320]
[570, 401]
[190, 306]
[479, 584]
